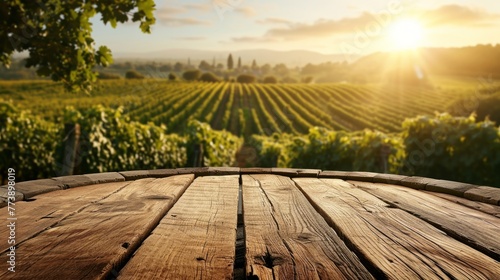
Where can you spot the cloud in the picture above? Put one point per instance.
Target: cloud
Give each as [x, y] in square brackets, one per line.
[273, 21]
[320, 28]
[249, 39]
[198, 7]
[173, 16]
[175, 22]
[247, 11]
[326, 28]
[194, 38]
[459, 16]
[168, 11]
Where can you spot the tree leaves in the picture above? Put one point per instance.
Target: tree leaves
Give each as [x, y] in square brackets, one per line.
[58, 35]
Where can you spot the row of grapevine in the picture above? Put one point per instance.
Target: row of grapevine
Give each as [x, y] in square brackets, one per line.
[109, 141]
[445, 147]
[265, 108]
[442, 147]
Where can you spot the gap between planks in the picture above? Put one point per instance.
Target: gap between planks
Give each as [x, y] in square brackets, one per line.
[458, 221]
[399, 244]
[97, 240]
[287, 238]
[196, 239]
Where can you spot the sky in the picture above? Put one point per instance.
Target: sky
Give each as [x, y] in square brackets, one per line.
[326, 26]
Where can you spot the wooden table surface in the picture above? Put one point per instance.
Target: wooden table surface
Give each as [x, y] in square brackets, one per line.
[253, 224]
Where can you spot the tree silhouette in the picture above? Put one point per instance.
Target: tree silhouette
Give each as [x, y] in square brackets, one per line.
[230, 62]
[204, 66]
[178, 67]
[239, 62]
[254, 65]
[58, 35]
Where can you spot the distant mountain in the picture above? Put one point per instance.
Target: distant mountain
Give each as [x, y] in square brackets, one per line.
[480, 60]
[262, 56]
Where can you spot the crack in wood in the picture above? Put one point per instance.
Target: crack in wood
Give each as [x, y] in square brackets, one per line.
[239, 266]
[373, 269]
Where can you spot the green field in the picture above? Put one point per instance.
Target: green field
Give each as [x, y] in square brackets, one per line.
[245, 109]
[162, 124]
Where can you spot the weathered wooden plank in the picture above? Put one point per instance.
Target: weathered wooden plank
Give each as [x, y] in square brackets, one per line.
[105, 177]
[212, 171]
[73, 181]
[449, 187]
[484, 194]
[33, 217]
[197, 171]
[294, 172]
[396, 243]
[287, 239]
[416, 182]
[93, 242]
[162, 173]
[32, 188]
[135, 174]
[480, 206]
[348, 175]
[5, 194]
[196, 239]
[256, 170]
[389, 178]
[475, 228]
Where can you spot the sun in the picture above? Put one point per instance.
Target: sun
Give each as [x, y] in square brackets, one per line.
[405, 34]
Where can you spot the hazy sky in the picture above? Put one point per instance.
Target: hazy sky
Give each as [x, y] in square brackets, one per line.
[326, 26]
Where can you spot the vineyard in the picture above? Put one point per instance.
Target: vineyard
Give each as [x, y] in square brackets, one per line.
[242, 109]
[157, 124]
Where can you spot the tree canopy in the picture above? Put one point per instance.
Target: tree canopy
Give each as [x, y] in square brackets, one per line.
[58, 35]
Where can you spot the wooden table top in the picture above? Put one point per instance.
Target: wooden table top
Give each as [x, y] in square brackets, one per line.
[231, 223]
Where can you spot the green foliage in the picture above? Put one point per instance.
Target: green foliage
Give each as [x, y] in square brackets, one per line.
[58, 35]
[111, 142]
[108, 76]
[219, 147]
[455, 148]
[191, 75]
[489, 106]
[246, 78]
[271, 151]
[270, 80]
[292, 107]
[172, 77]
[133, 74]
[27, 143]
[209, 77]
[331, 150]
[230, 62]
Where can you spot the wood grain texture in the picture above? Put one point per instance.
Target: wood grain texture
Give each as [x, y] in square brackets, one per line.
[32, 188]
[480, 206]
[456, 220]
[196, 239]
[398, 244]
[91, 243]
[33, 217]
[449, 187]
[287, 239]
[4, 196]
[484, 194]
[294, 172]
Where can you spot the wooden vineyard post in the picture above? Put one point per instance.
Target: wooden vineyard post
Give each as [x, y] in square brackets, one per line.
[385, 151]
[71, 143]
[198, 155]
